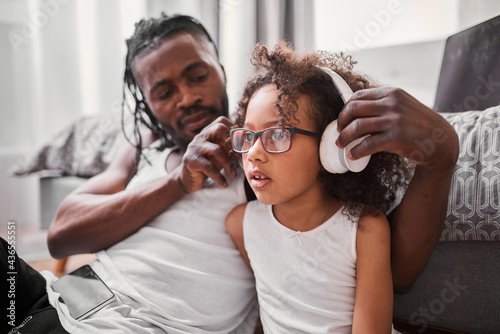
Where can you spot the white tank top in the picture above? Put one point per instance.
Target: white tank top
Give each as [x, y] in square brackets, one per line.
[306, 281]
[180, 273]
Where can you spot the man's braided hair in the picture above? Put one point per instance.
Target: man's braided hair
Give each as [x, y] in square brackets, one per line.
[149, 34]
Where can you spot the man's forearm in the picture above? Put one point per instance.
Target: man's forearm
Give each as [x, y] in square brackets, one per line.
[417, 223]
[87, 223]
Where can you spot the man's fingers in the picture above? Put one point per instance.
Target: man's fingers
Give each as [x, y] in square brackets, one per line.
[358, 109]
[220, 152]
[223, 159]
[370, 103]
[221, 124]
[361, 127]
[212, 160]
[210, 152]
[207, 167]
[224, 120]
[369, 146]
[372, 93]
[218, 133]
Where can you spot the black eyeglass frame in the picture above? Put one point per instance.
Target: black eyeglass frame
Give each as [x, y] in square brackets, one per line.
[292, 130]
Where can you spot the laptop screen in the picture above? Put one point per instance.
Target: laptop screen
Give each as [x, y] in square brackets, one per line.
[470, 72]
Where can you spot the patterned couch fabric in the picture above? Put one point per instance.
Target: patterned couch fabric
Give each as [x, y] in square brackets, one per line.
[85, 148]
[474, 202]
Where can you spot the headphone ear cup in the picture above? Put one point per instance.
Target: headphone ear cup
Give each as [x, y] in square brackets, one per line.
[329, 153]
[335, 159]
[332, 158]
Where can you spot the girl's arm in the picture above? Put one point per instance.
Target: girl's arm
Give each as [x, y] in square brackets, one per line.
[374, 291]
[234, 226]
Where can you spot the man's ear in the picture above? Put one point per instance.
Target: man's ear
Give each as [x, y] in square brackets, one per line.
[224, 72]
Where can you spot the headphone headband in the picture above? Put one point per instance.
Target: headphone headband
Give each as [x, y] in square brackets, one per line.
[332, 158]
[341, 86]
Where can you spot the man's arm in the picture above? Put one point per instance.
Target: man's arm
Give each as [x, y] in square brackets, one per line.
[102, 211]
[400, 124]
[417, 223]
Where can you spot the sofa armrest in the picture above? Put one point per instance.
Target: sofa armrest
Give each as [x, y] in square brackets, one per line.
[458, 290]
[52, 192]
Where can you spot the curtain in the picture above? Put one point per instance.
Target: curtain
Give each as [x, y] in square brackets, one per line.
[244, 23]
[71, 56]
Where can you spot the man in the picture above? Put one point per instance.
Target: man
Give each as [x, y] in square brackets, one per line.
[160, 238]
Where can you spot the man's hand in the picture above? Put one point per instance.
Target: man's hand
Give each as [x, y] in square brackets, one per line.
[205, 157]
[400, 124]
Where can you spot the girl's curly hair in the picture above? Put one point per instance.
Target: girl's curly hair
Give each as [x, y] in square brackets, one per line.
[295, 75]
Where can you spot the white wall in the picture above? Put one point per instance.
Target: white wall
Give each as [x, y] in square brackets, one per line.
[398, 42]
[413, 67]
[358, 25]
[18, 198]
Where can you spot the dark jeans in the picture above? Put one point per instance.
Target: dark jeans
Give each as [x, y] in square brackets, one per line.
[24, 297]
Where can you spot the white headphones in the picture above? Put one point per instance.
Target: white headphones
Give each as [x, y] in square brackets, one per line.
[332, 158]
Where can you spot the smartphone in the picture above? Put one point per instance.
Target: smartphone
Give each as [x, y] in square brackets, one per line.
[83, 292]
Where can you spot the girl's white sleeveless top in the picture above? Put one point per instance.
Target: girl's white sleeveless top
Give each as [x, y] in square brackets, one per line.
[306, 281]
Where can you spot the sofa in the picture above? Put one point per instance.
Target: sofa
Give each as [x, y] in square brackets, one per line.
[459, 290]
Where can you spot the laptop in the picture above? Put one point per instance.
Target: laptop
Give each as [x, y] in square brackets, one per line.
[470, 71]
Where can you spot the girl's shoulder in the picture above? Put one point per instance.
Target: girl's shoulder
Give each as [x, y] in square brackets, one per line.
[372, 221]
[235, 216]
[373, 238]
[234, 227]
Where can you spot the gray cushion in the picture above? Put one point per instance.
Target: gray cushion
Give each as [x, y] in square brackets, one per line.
[474, 202]
[83, 149]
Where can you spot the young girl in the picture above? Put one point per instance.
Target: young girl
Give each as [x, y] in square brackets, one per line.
[318, 243]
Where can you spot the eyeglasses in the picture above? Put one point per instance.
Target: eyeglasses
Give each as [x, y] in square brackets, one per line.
[274, 140]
